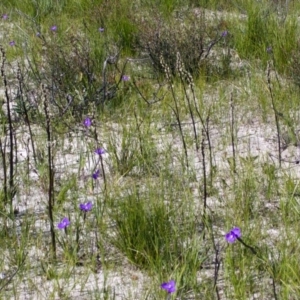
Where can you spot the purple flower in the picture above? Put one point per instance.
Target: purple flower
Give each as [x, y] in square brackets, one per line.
[169, 286]
[224, 33]
[53, 28]
[63, 224]
[99, 151]
[87, 122]
[5, 16]
[96, 174]
[12, 43]
[86, 206]
[125, 77]
[101, 29]
[233, 235]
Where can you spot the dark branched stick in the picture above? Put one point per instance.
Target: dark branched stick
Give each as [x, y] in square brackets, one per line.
[10, 192]
[51, 173]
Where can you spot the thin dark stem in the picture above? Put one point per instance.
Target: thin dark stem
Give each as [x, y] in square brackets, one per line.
[20, 79]
[176, 113]
[274, 288]
[103, 173]
[51, 175]
[11, 190]
[217, 261]
[248, 246]
[193, 121]
[209, 148]
[183, 77]
[276, 114]
[77, 236]
[101, 162]
[254, 251]
[2, 149]
[232, 133]
[205, 126]
[204, 175]
[176, 109]
[138, 127]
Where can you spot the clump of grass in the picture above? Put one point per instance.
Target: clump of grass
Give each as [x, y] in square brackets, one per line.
[153, 234]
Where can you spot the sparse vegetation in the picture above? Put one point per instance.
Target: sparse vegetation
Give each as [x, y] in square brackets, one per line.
[149, 149]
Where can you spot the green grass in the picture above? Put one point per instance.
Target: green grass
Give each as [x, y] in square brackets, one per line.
[191, 143]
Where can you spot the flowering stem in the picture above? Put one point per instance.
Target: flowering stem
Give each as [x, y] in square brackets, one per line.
[103, 172]
[51, 174]
[247, 246]
[77, 238]
[276, 114]
[10, 192]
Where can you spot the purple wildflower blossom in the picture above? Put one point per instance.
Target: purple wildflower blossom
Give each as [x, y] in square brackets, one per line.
[101, 29]
[86, 206]
[125, 77]
[12, 43]
[63, 224]
[53, 28]
[233, 235]
[5, 16]
[87, 122]
[224, 33]
[99, 151]
[96, 174]
[170, 286]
